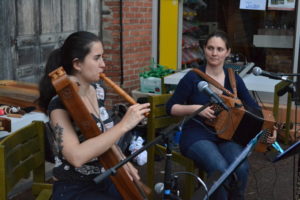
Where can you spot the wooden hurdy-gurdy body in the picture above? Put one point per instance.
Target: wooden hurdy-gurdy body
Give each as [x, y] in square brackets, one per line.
[241, 124]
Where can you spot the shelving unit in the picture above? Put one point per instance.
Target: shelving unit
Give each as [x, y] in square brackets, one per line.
[191, 50]
[273, 41]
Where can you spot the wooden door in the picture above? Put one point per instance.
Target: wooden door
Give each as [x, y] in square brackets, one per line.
[33, 28]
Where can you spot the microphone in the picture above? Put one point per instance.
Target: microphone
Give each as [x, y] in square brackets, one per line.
[203, 87]
[257, 71]
[159, 188]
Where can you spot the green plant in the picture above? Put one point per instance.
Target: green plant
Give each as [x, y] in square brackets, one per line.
[156, 70]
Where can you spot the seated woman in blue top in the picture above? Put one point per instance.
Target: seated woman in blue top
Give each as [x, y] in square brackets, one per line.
[197, 142]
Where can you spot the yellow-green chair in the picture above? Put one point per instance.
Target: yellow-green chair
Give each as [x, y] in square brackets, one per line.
[278, 87]
[159, 119]
[21, 153]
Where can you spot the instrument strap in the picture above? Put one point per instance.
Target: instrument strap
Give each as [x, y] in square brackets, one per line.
[232, 81]
[217, 84]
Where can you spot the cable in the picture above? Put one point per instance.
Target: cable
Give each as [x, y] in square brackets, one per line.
[255, 173]
[294, 160]
[296, 122]
[121, 43]
[195, 176]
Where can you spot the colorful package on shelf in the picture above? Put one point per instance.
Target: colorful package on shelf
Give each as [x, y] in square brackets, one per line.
[189, 27]
[189, 42]
[189, 14]
[192, 55]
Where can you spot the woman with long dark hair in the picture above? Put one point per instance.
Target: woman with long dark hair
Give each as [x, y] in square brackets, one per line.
[76, 163]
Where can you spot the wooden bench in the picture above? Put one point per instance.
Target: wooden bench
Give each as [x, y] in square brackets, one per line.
[21, 153]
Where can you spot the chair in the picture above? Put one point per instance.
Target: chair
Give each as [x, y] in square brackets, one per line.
[279, 86]
[158, 119]
[21, 153]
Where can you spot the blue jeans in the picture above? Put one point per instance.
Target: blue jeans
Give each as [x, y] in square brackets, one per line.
[67, 190]
[216, 157]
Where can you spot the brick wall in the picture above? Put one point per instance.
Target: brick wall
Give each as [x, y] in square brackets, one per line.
[137, 39]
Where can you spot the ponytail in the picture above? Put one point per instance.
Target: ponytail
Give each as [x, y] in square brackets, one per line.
[46, 88]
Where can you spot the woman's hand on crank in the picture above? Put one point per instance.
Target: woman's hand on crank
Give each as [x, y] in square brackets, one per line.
[208, 113]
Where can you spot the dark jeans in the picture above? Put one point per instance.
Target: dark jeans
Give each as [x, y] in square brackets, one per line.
[63, 190]
[216, 157]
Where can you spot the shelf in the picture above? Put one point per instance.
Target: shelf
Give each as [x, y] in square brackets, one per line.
[273, 41]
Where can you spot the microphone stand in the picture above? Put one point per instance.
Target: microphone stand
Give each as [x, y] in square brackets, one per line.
[288, 75]
[291, 89]
[168, 180]
[164, 136]
[284, 74]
